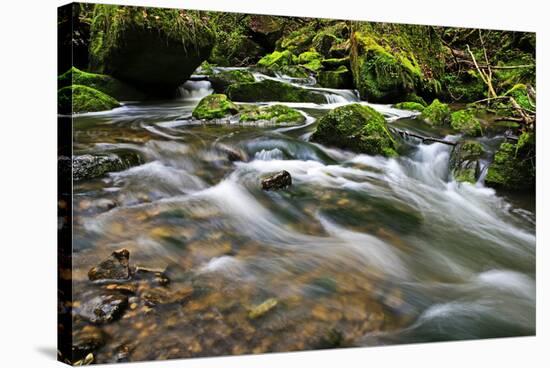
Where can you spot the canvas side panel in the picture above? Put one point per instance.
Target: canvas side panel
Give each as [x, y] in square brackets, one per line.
[64, 192]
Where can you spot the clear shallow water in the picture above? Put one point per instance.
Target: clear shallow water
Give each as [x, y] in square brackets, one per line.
[379, 250]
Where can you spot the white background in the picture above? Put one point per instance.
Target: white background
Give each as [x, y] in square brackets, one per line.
[28, 181]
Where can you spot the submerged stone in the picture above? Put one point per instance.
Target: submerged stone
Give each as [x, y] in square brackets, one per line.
[263, 308]
[270, 90]
[215, 106]
[116, 267]
[104, 308]
[87, 340]
[232, 153]
[464, 162]
[358, 128]
[280, 180]
[93, 166]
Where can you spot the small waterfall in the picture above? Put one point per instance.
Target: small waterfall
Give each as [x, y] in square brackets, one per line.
[195, 90]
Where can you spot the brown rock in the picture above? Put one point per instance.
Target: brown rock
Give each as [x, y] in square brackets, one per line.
[280, 180]
[116, 267]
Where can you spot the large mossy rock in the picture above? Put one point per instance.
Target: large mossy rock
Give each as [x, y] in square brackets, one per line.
[390, 63]
[266, 30]
[437, 113]
[215, 106]
[270, 90]
[340, 78]
[78, 99]
[464, 163]
[101, 82]
[220, 81]
[153, 49]
[277, 114]
[464, 121]
[356, 127]
[513, 167]
[310, 60]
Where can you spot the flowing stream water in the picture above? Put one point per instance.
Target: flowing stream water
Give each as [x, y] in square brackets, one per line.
[371, 250]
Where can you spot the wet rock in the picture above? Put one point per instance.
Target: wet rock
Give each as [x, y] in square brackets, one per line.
[80, 99]
[163, 296]
[358, 128]
[340, 78]
[464, 162]
[410, 105]
[270, 90]
[87, 340]
[148, 274]
[93, 166]
[104, 308]
[220, 81]
[281, 180]
[215, 106]
[437, 113]
[464, 121]
[116, 267]
[262, 309]
[127, 289]
[513, 167]
[275, 114]
[232, 153]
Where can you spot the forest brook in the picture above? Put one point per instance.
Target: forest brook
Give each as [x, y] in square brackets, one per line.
[250, 184]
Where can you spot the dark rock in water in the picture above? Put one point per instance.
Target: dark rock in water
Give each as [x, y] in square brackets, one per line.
[464, 163]
[116, 267]
[270, 90]
[90, 166]
[104, 308]
[281, 180]
[153, 49]
[331, 340]
[233, 153]
[87, 340]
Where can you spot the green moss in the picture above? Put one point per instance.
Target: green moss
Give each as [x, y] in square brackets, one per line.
[215, 106]
[355, 127]
[278, 59]
[340, 78]
[101, 82]
[413, 106]
[79, 99]
[464, 162]
[274, 113]
[335, 63]
[310, 60]
[513, 167]
[297, 41]
[270, 90]
[520, 94]
[220, 81]
[464, 121]
[436, 114]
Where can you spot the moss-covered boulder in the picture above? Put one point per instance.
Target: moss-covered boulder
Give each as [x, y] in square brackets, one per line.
[278, 59]
[335, 63]
[437, 113]
[270, 90]
[464, 121]
[220, 81]
[78, 99]
[410, 105]
[339, 78]
[391, 62]
[153, 49]
[297, 41]
[276, 114]
[323, 42]
[101, 82]
[464, 163]
[513, 167]
[311, 60]
[215, 106]
[265, 30]
[356, 127]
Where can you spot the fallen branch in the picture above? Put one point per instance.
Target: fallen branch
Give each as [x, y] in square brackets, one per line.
[406, 133]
